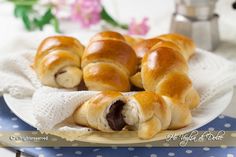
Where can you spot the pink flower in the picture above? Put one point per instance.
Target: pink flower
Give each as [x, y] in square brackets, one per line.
[141, 28]
[86, 12]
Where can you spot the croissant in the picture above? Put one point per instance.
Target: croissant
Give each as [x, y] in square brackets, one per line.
[148, 112]
[108, 62]
[110, 111]
[140, 49]
[144, 46]
[176, 41]
[164, 67]
[164, 71]
[185, 44]
[57, 61]
[181, 42]
[102, 112]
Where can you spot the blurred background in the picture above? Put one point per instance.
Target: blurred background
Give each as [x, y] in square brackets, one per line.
[14, 36]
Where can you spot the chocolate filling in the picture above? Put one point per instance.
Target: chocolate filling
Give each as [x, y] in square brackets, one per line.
[114, 117]
[59, 73]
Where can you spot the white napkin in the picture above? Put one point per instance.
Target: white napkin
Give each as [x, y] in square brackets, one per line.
[17, 76]
[210, 75]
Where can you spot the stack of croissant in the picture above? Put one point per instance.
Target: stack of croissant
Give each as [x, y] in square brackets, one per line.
[113, 63]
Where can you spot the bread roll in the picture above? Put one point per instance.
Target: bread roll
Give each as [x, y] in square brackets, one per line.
[148, 112]
[108, 62]
[186, 45]
[144, 47]
[57, 62]
[102, 112]
[164, 71]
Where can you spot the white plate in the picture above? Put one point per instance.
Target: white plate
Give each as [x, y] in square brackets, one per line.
[202, 115]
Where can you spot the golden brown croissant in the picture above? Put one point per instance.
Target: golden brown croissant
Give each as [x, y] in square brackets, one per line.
[148, 113]
[110, 111]
[141, 48]
[181, 42]
[145, 46]
[164, 71]
[57, 62]
[102, 112]
[165, 58]
[185, 44]
[108, 62]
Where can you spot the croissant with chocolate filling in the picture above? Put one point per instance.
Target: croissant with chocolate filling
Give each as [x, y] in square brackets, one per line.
[145, 112]
[109, 111]
[108, 62]
[148, 113]
[102, 112]
[57, 62]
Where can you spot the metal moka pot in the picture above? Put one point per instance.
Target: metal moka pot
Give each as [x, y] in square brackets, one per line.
[197, 20]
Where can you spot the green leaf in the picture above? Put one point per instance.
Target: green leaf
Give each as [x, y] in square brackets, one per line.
[37, 24]
[45, 19]
[26, 21]
[55, 24]
[24, 9]
[21, 10]
[106, 17]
